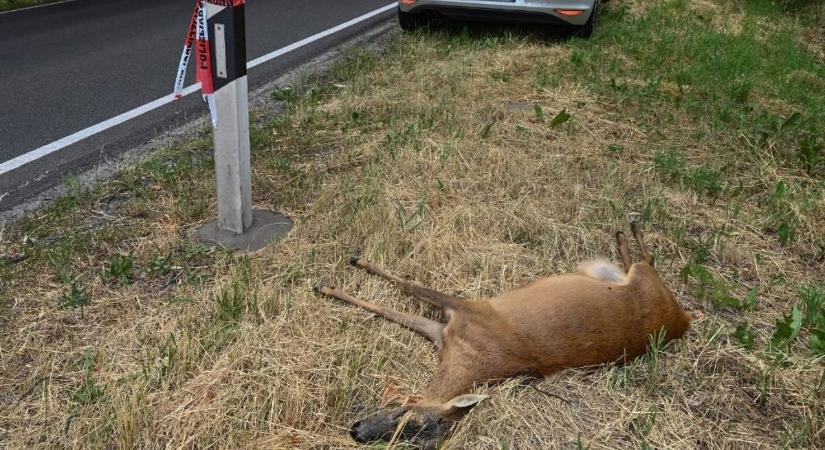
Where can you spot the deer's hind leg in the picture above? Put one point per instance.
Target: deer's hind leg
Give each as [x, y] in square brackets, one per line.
[637, 234]
[430, 329]
[437, 299]
[624, 251]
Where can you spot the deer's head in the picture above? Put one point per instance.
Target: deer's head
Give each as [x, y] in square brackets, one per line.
[421, 423]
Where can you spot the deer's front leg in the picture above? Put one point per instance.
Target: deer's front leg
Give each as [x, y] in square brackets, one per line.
[462, 367]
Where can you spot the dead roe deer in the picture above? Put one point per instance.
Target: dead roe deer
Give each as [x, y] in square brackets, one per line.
[600, 314]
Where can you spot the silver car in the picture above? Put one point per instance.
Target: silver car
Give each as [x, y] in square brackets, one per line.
[579, 14]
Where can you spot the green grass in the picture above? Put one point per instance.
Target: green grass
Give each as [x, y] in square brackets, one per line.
[726, 80]
[76, 298]
[808, 315]
[716, 74]
[8, 5]
[754, 88]
[118, 269]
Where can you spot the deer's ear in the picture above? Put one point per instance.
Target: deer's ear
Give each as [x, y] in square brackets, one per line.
[462, 404]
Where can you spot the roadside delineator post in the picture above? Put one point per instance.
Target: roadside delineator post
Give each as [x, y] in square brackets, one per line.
[218, 36]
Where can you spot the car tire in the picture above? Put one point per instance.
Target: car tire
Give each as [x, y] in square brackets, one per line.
[586, 30]
[411, 21]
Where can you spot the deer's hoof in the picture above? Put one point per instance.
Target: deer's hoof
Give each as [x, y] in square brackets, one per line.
[353, 260]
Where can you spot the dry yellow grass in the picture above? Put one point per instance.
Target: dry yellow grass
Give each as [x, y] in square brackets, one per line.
[815, 35]
[434, 162]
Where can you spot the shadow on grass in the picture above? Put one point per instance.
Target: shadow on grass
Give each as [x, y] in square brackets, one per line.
[485, 34]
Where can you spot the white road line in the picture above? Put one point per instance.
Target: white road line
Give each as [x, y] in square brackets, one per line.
[33, 7]
[59, 144]
[321, 35]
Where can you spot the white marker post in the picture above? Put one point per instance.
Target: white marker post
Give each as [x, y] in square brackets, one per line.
[220, 58]
[227, 45]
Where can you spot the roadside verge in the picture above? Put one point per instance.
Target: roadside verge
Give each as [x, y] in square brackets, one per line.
[472, 159]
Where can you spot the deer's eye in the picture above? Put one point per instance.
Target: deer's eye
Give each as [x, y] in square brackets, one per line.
[398, 414]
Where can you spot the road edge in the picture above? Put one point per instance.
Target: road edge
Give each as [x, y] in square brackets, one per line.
[375, 38]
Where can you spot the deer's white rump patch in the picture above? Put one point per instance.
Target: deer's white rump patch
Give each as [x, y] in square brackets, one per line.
[604, 270]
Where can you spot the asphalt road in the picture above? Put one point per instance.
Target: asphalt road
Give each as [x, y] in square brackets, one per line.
[68, 66]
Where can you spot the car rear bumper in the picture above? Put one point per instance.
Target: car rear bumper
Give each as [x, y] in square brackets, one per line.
[510, 11]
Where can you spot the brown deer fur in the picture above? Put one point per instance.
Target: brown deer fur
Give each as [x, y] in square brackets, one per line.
[600, 314]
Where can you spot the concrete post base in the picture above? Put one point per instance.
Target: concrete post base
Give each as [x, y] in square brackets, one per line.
[266, 227]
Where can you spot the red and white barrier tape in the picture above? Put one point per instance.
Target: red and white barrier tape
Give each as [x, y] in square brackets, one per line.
[197, 36]
[187, 50]
[203, 70]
